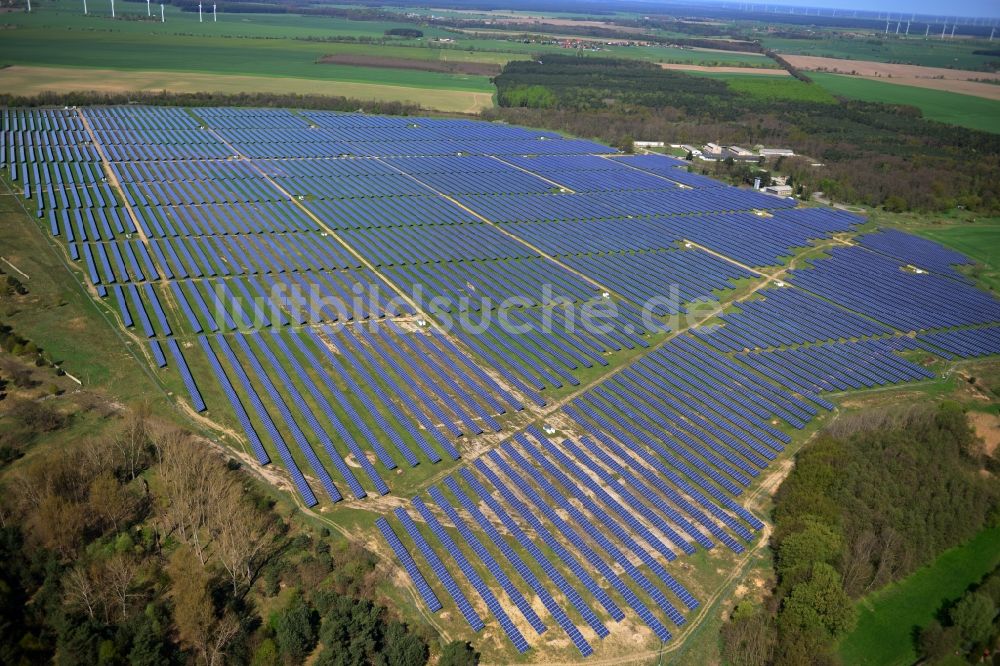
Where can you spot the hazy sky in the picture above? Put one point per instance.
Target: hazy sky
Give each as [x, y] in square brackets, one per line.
[932, 7]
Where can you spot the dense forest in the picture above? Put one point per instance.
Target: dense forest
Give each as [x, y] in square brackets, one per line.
[140, 543]
[874, 154]
[872, 499]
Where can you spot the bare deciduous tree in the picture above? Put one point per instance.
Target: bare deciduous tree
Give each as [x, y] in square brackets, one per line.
[131, 443]
[220, 636]
[195, 486]
[245, 537]
[199, 627]
[112, 501]
[120, 573]
[79, 590]
[859, 561]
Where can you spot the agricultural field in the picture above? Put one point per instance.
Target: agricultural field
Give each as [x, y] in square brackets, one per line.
[662, 54]
[370, 309]
[37, 80]
[914, 50]
[124, 55]
[947, 107]
[724, 72]
[305, 54]
[209, 54]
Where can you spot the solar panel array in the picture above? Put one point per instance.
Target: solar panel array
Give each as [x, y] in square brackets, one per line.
[786, 316]
[214, 232]
[921, 253]
[963, 342]
[875, 285]
[839, 367]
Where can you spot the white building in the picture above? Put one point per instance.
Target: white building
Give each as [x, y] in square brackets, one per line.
[778, 190]
[776, 152]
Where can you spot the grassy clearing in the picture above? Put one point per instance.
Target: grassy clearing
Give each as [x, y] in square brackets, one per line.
[730, 74]
[59, 312]
[947, 107]
[780, 88]
[888, 618]
[979, 241]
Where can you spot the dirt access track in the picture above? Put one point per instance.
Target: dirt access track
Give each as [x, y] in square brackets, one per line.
[935, 78]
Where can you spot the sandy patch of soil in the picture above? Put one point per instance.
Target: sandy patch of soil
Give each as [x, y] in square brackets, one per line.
[987, 427]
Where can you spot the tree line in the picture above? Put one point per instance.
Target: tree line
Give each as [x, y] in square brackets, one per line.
[872, 499]
[244, 99]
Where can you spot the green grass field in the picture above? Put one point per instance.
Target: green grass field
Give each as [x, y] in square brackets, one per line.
[888, 618]
[59, 312]
[947, 107]
[980, 241]
[956, 54]
[774, 88]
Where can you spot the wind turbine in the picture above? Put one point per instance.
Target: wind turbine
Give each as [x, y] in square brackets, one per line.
[149, 12]
[112, 8]
[84, 7]
[163, 19]
[29, 6]
[199, 12]
[215, 17]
